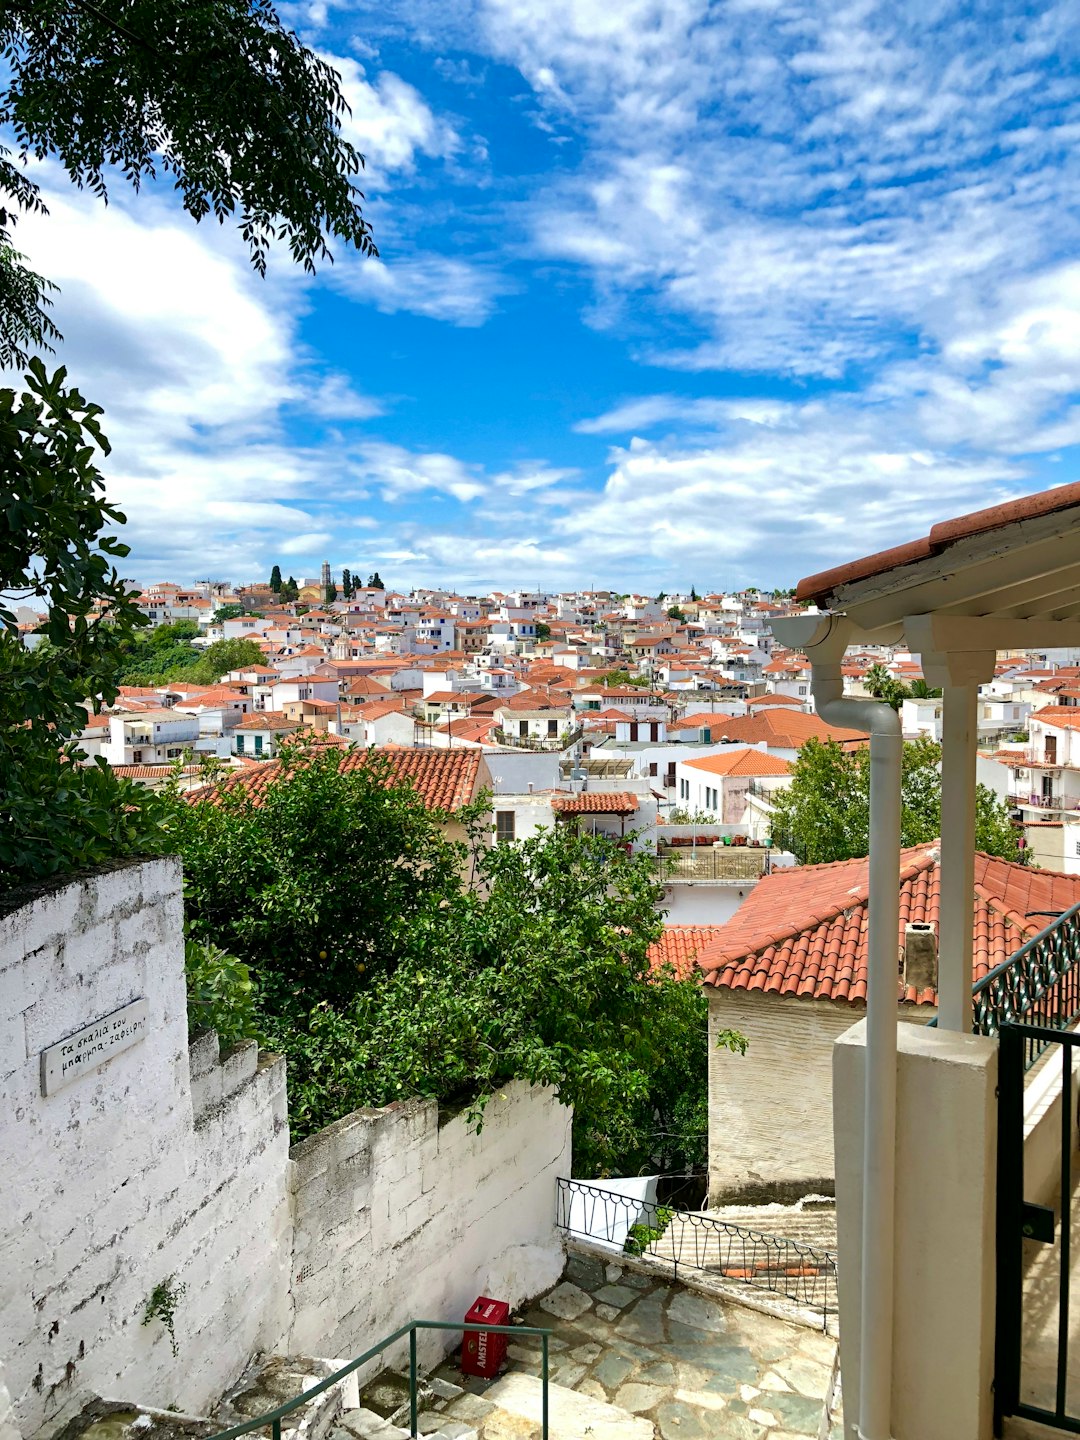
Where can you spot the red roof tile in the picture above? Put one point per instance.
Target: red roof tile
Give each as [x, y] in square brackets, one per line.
[782, 728]
[679, 947]
[444, 779]
[596, 802]
[802, 931]
[735, 760]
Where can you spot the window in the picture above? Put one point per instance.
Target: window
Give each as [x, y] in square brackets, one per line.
[136, 756]
[523, 729]
[1050, 742]
[653, 769]
[258, 744]
[239, 744]
[669, 776]
[802, 689]
[1078, 849]
[172, 753]
[504, 826]
[553, 727]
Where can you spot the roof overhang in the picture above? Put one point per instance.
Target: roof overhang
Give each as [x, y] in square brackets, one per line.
[972, 585]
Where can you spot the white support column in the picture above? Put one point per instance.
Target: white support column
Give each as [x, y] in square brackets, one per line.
[959, 673]
[955, 939]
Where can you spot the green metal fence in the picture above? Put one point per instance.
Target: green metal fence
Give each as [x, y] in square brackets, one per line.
[273, 1418]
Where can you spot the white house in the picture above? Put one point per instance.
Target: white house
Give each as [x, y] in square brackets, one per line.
[719, 784]
[151, 737]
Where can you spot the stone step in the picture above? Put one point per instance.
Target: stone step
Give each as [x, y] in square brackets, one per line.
[270, 1381]
[517, 1408]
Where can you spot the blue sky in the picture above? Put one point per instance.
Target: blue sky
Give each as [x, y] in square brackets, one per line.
[668, 294]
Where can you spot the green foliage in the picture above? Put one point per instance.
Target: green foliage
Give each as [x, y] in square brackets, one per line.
[57, 551]
[623, 677]
[374, 582]
[221, 96]
[227, 612]
[693, 594]
[640, 1237]
[331, 593]
[275, 579]
[318, 886]
[383, 972]
[290, 590]
[676, 614]
[883, 686]
[346, 584]
[824, 814]
[543, 631]
[220, 993]
[162, 1305]
[152, 660]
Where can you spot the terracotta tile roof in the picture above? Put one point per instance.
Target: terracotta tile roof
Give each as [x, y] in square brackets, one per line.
[1061, 717]
[1029, 507]
[679, 947]
[151, 772]
[802, 931]
[739, 761]
[444, 779]
[783, 728]
[791, 701]
[619, 802]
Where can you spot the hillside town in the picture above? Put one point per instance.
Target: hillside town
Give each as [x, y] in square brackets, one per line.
[674, 718]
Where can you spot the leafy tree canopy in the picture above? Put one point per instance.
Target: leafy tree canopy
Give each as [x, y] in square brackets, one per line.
[824, 814]
[543, 630]
[382, 972]
[215, 93]
[676, 614]
[375, 582]
[156, 659]
[275, 579]
[623, 677]
[57, 550]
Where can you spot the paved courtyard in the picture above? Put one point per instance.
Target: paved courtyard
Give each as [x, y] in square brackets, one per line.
[670, 1363]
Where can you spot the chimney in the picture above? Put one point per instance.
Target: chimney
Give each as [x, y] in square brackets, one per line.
[920, 966]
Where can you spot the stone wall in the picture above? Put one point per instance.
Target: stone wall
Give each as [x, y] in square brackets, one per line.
[398, 1217]
[168, 1161]
[129, 1174]
[770, 1110]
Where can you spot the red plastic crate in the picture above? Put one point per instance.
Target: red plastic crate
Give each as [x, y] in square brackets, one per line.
[481, 1352]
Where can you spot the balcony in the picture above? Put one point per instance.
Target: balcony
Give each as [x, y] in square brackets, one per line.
[537, 742]
[721, 864]
[1049, 802]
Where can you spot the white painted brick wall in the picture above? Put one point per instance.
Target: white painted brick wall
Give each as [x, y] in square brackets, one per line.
[113, 1183]
[770, 1110]
[397, 1217]
[173, 1161]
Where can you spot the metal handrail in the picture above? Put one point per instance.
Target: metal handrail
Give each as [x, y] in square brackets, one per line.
[800, 1272]
[1038, 985]
[273, 1418]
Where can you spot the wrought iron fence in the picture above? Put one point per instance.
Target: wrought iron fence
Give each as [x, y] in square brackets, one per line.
[695, 1240]
[1039, 985]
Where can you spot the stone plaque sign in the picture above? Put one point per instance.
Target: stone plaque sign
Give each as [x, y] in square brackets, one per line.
[92, 1046]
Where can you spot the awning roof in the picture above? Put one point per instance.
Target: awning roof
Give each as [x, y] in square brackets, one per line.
[1004, 577]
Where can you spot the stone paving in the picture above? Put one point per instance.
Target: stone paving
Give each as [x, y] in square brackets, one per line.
[664, 1361]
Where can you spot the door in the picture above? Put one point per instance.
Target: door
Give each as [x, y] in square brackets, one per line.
[1037, 1352]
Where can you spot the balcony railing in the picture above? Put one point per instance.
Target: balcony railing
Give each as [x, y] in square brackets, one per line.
[1039, 985]
[538, 742]
[1052, 802]
[696, 1240]
[709, 863]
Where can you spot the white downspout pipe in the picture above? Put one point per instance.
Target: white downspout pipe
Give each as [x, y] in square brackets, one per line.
[882, 723]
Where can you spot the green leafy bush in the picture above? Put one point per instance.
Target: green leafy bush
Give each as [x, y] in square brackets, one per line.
[220, 993]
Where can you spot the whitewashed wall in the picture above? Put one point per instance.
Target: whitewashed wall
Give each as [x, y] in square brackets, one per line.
[116, 1181]
[397, 1217]
[170, 1161]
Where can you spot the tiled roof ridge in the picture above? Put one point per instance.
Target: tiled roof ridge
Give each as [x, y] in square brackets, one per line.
[854, 899]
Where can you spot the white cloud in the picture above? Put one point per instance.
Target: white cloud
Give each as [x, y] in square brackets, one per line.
[438, 286]
[391, 123]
